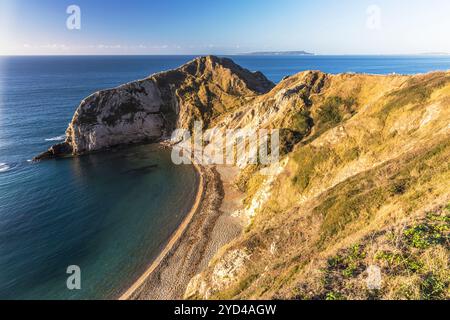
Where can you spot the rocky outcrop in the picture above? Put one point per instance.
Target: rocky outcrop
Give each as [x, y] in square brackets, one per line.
[150, 109]
[363, 156]
[55, 151]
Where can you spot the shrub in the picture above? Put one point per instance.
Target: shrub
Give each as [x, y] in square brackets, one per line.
[425, 235]
[432, 287]
[302, 122]
[334, 108]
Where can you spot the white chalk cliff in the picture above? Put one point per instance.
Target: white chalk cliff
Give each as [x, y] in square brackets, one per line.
[150, 109]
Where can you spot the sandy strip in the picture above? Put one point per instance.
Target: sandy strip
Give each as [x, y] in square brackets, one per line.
[208, 226]
[173, 240]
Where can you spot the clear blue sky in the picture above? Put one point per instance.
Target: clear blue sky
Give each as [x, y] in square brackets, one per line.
[226, 26]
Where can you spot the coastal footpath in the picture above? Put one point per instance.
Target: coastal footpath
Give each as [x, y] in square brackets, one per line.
[361, 186]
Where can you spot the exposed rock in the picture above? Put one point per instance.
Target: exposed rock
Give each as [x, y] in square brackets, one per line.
[225, 273]
[58, 150]
[150, 109]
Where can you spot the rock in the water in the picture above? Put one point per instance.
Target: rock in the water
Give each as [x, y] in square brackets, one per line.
[58, 150]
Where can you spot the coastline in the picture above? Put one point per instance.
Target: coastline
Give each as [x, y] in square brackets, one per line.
[172, 241]
[207, 227]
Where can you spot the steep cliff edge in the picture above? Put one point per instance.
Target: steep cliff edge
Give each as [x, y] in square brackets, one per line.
[150, 109]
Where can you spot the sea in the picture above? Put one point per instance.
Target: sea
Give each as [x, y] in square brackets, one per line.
[110, 213]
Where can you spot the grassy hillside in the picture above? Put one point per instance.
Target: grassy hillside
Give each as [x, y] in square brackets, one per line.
[364, 182]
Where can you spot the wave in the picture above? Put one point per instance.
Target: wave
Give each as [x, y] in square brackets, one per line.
[58, 138]
[4, 167]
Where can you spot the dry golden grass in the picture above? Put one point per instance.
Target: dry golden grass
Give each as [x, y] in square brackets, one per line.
[360, 189]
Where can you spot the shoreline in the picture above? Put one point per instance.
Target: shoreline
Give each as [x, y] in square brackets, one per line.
[172, 241]
[208, 227]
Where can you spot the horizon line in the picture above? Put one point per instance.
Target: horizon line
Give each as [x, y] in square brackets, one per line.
[224, 54]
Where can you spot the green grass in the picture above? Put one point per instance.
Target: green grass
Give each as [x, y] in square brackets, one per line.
[288, 139]
[330, 296]
[432, 287]
[425, 235]
[308, 159]
[333, 110]
[245, 175]
[238, 288]
[302, 122]
[365, 194]
[345, 207]
[351, 154]
[398, 262]
[347, 263]
[329, 112]
[413, 94]
[253, 186]
[410, 95]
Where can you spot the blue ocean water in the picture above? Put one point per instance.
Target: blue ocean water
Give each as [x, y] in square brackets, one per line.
[109, 213]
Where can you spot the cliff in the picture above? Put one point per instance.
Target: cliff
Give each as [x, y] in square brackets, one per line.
[150, 109]
[361, 189]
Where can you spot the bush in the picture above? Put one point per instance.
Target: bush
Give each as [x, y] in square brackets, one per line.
[425, 235]
[302, 122]
[334, 108]
[432, 288]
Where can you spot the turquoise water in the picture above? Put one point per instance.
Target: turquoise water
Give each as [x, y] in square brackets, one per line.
[109, 213]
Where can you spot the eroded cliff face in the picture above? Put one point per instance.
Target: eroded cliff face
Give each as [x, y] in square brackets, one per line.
[150, 109]
[127, 114]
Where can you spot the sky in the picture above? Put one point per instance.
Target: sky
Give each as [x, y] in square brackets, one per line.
[32, 27]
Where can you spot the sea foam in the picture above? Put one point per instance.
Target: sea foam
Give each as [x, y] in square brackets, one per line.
[58, 138]
[4, 167]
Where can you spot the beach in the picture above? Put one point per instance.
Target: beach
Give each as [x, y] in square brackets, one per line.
[207, 227]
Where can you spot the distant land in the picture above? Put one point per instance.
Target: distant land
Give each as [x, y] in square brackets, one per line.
[280, 53]
[435, 53]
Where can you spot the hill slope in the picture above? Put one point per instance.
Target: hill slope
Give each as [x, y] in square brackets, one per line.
[367, 184]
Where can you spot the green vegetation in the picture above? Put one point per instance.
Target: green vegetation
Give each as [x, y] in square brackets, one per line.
[333, 110]
[349, 263]
[414, 93]
[245, 176]
[351, 154]
[423, 236]
[399, 187]
[347, 206]
[361, 196]
[334, 296]
[399, 262]
[237, 288]
[407, 272]
[288, 140]
[307, 159]
[433, 288]
[302, 122]
[409, 95]
[253, 186]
